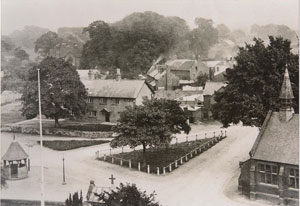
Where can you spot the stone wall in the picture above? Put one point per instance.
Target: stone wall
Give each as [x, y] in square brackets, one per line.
[58, 132]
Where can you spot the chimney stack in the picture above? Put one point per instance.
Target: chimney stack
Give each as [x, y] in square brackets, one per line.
[91, 75]
[118, 75]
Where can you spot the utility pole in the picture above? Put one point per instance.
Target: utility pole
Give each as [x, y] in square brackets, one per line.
[41, 142]
[64, 177]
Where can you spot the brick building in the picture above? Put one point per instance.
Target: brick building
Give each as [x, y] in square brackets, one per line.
[272, 172]
[108, 98]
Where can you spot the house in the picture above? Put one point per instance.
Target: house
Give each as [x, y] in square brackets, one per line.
[16, 163]
[192, 105]
[175, 73]
[218, 68]
[209, 96]
[272, 171]
[107, 98]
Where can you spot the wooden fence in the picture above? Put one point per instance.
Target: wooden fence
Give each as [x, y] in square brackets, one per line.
[217, 137]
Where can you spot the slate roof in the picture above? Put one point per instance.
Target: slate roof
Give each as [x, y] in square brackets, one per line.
[286, 88]
[15, 152]
[278, 141]
[211, 87]
[113, 88]
[191, 98]
[180, 64]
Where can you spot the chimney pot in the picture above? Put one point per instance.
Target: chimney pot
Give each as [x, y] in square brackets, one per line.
[118, 75]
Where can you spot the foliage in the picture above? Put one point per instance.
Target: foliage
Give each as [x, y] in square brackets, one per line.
[6, 44]
[255, 82]
[223, 31]
[3, 180]
[62, 145]
[62, 93]
[125, 195]
[74, 200]
[21, 54]
[46, 42]
[133, 43]
[202, 37]
[202, 79]
[151, 124]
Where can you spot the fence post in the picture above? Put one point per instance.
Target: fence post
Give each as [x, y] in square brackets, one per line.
[110, 151]
[186, 158]
[191, 154]
[148, 168]
[112, 160]
[157, 169]
[214, 134]
[139, 166]
[104, 157]
[196, 137]
[175, 163]
[164, 170]
[176, 140]
[129, 163]
[225, 133]
[121, 162]
[196, 151]
[122, 149]
[205, 135]
[221, 133]
[170, 167]
[187, 138]
[181, 162]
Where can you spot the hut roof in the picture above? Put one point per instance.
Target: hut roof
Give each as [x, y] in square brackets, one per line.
[15, 152]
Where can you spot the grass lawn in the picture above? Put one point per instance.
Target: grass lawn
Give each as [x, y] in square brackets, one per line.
[62, 145]
[160, 157]
[11, 113]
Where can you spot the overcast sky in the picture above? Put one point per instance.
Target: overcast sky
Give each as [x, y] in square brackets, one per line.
[53, 14]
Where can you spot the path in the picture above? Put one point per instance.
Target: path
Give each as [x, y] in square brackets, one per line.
[209, 179]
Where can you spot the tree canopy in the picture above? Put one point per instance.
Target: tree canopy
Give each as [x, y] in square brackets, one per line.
[46, 42]
[254, 82]
[150, 124]
[125, 195]
[62, 93]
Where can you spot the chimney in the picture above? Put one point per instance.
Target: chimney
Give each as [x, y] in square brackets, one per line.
[91, 75]
[118, 75]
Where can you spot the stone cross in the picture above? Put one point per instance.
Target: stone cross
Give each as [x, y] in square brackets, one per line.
[112, 178]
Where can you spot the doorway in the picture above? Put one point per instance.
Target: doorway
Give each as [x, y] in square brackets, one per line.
[14, 170]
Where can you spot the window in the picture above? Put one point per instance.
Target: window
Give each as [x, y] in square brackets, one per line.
[90, 100]
[294, 178]
[92, 113]
[268, 174]
[103, 100]
[115, 101]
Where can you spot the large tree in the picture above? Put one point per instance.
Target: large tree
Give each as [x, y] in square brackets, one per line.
[254, 82]
[46, 42]
[62, 92]
[126, 195]
[202, 37]
[150, 124]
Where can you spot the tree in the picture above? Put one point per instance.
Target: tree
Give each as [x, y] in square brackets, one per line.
[46, 42]
[254, 82]
[21, 54]
[125, 195]
[202, 37]
[62, 92]
[74, 200]
[142, 125]
[202, 79]
[223, 31]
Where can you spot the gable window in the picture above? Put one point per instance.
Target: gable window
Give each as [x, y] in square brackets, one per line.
[92, 113]
[268, 174]
[294, 178]
[103, 100]
[90, 100]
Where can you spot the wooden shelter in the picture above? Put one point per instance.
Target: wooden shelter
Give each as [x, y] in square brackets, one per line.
[15, 162]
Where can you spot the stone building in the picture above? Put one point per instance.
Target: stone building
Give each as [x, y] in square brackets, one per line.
[16, 163]
[272, 172]
[108, 98]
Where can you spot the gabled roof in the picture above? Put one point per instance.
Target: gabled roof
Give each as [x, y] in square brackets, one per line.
[191, 98]
[181, 64]
[15, 152]
[114, 89]
[286, 88]
[211, 87]
[278, 141]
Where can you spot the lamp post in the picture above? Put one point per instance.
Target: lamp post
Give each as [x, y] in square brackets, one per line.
[64, 176]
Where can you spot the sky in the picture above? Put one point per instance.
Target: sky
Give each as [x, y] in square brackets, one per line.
[52, 14]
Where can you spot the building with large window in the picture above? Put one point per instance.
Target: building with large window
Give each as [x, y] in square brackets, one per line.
[272, 172]
[108, 98]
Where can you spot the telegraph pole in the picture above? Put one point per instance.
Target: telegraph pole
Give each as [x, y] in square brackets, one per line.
[64, 177]
[41, 142]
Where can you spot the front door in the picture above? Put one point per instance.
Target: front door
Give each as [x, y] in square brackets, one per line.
[14, 170]
[107, 116]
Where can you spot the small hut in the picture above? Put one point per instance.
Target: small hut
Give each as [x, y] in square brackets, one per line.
[15, 162]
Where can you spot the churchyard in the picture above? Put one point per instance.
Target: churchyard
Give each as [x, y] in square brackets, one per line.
[212, 174]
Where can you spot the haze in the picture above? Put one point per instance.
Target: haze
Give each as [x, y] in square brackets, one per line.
[53, 14]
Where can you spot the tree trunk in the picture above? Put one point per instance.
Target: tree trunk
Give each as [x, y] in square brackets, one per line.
[144, 154]
[56, 123]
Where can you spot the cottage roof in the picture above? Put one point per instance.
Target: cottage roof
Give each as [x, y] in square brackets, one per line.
[211, 87]
[190, 98]
[15, 152]
[113, 88]
[212, 63]
[84, 73]
[180, 64]
[286, 88]
[278, 141]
